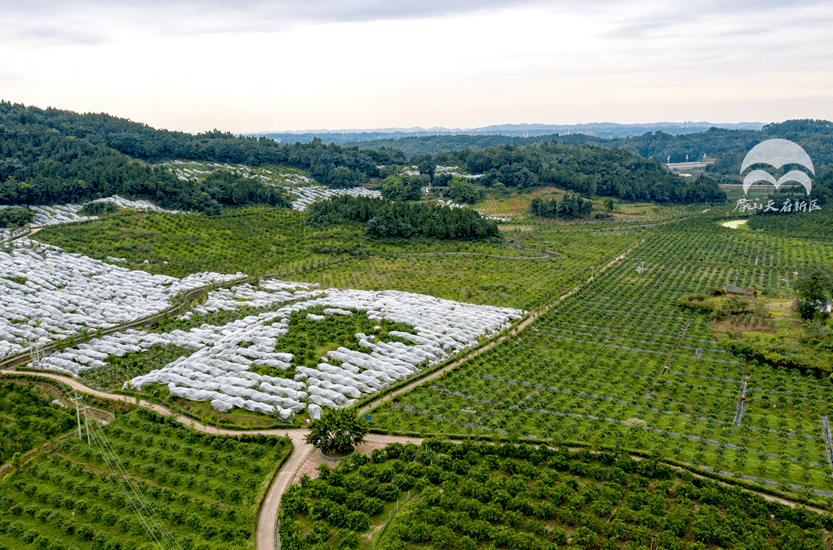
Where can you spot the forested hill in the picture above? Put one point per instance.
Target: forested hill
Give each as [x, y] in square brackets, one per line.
[816, 136]
[586, 170]
[332, 165]
[39, 165]
[50, 156]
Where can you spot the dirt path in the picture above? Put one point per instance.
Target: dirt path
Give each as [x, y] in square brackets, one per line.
[302, 457]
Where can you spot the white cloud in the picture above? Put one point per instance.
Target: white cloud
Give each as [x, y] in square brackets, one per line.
[256, 66]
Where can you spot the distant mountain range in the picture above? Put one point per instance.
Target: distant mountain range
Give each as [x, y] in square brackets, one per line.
[599, 129]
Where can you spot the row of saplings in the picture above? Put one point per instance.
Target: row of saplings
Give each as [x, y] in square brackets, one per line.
[464, 496]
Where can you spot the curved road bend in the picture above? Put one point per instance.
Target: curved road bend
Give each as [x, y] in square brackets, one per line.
[265, 535]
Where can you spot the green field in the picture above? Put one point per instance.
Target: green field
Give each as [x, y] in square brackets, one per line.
[612, 357]
[204, 490]
[621, 349]
[29, 418]
[465, 497]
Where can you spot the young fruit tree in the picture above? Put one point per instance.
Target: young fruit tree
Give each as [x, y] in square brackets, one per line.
[337, 431]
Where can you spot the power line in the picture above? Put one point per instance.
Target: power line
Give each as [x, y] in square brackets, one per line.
[130, 490]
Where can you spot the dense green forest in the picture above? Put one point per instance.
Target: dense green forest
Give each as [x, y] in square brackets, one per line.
[568, 208]
[585, 170]
[331, 165]
[39, 165]
[816, 136]
[50, 156]
[15, 217]
[403, 220]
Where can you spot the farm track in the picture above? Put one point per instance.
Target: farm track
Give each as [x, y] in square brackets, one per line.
[549, 255]
[266, 531]
[268, 515]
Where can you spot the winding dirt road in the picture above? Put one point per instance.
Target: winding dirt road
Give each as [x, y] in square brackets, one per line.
[266, 530]
[265, 536]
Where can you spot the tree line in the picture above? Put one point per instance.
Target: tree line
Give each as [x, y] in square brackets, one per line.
[570, 207]
[15, 217]
[39, 165]
[403, 220]
[331, 165]
[587, 170]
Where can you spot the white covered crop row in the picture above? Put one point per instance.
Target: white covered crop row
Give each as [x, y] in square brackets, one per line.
[304, 188]
[443, 329]
[68, 213]
[229, 299]
[137, 205]
[220, 369]
[314, 193]
[452, 204]
[8, 234]
[46, 293]
[57, 214]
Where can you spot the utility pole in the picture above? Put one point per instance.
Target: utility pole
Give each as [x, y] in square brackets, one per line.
[78, 409]
[468, 427]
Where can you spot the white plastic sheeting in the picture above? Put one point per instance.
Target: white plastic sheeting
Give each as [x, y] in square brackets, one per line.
[69, 213]
[58, 294]
[443, 328]
[220, 369]
[314, 193]
[137, 205]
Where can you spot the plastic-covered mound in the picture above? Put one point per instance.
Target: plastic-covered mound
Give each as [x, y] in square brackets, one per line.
[220, 369]
[48, 294]
[137, 205]
[314, 193]
[69, 213]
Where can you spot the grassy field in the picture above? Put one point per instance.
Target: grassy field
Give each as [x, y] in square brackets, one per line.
[472, 275]
[203, 490]
[516, 205]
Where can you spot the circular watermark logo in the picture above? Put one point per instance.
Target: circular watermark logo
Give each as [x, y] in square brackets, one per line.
[777, 153]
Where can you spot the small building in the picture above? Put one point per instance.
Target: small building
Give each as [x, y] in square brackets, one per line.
[732, 289]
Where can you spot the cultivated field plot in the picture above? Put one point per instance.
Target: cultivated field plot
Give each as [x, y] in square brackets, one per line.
[204, 490]
[48, 294]
[250, 240]
[531, 274]
[619, 363]
[466, 497]
[247, 362]
[29, 417]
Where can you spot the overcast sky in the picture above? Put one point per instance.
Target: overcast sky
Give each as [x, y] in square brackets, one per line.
[291, 65]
